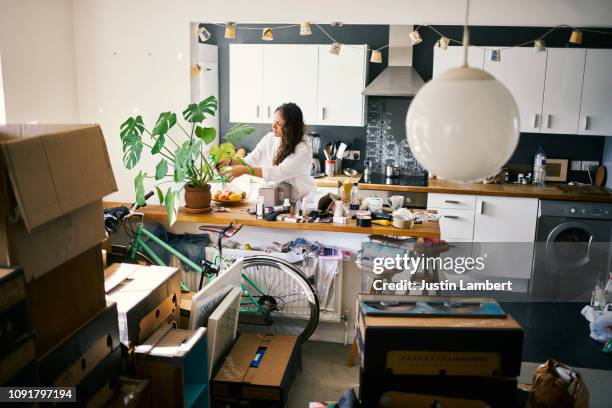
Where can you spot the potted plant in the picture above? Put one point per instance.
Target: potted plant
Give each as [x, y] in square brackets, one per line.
[181, 160]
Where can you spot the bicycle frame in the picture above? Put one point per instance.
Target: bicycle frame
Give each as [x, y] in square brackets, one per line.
[139, 244]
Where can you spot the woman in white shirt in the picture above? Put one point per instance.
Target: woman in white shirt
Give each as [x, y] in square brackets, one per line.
[282, 155]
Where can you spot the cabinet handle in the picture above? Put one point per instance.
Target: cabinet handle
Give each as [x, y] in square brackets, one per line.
[547, 121]
[451, 201]
[257, 111]
[585, 122]
[323, 113]
[268, 111]
[535, 120]
[482, 207]
[451, 216]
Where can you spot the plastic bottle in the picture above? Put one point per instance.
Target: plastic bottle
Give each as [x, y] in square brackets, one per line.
[355, 200]
[539, 167]
[607, 292]
[259, 208]
[286, 206]
[597, 297]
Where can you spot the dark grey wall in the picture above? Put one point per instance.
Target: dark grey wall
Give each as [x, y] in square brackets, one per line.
[570, 147]
[373, 35]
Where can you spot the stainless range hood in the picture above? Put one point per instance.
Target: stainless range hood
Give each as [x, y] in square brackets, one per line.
[399, 78]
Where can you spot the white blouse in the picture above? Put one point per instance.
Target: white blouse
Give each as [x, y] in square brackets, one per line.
[295, 169]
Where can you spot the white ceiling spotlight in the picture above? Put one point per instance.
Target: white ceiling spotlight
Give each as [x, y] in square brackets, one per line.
[464, 124]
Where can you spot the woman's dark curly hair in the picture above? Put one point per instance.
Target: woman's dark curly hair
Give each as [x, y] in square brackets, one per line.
[293, 131]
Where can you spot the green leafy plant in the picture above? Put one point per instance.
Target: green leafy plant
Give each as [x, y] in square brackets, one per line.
[179, 161]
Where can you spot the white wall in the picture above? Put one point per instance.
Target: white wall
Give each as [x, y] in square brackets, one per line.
[38, 61]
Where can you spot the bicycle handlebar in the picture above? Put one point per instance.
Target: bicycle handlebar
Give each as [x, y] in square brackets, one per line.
[135, 205]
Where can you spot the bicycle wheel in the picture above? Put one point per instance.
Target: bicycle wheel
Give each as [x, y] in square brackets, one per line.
[289, 302]
[121, 254]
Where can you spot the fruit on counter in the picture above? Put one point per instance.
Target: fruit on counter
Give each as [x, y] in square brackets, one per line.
[229, 195]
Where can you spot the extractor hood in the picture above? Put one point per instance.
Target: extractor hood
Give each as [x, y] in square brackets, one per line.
[399, 78]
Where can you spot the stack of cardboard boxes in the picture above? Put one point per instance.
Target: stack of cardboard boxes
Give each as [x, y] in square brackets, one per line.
[52, 180]
[435, 359]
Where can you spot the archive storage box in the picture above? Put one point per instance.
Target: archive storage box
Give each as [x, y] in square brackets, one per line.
[176, 361]
[146, 297]
[90, 360]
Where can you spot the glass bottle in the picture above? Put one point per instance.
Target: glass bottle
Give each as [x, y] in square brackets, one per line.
[259, 208]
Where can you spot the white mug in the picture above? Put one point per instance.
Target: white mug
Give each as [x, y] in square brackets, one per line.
[375, 204]
[395, 202]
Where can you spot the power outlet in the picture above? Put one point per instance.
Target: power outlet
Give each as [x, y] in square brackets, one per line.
[589, 165]
[576, 165]
[353, 155]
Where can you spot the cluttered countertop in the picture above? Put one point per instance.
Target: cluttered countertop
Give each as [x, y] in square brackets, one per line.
[239, 214]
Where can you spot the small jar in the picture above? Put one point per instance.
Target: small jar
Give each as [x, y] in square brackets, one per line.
[330, 168]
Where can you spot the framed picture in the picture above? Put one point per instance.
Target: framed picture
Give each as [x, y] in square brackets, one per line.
[556, 169]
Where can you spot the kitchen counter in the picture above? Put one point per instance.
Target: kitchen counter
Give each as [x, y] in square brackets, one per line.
[239, 215]
[549, 192]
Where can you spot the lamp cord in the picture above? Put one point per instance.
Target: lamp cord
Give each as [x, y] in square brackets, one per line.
[466, 34]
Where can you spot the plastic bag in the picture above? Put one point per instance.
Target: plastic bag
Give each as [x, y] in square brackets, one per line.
[600, 322]
[557, 385]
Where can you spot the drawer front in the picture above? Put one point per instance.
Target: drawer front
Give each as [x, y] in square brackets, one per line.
[456, 224]
[454, 201]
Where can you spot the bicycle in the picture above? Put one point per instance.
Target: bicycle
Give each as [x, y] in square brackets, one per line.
[263, 302]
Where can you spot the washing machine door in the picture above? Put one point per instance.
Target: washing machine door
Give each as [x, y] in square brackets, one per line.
[569, 244]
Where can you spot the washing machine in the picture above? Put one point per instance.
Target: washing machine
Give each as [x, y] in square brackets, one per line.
[572, 250]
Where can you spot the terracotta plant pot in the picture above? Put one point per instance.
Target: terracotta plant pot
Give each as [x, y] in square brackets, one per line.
[197, 197]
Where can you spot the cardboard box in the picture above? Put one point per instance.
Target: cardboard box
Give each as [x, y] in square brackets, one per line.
[18, 363]
[14, 316]
[132, 393]
[450, 391]
[146, 297]
[185, 309]
[258, 372]
[432, 345]
[72, 360]
[52, 180]
[66, 297]
[176, 361]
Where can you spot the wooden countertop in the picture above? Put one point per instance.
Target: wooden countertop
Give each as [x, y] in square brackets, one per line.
[549, 192]
[238, 214]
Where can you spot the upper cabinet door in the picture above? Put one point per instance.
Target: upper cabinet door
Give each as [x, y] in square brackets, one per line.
[342, 79]
[562, 90]
[452, 57]
[246, 83]
[290, 75]
[596, 107]
[522, 71]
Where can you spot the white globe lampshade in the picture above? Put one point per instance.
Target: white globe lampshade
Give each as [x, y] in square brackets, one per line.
[463, 125]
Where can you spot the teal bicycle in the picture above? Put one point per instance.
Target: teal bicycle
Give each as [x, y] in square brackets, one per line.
[277, 298]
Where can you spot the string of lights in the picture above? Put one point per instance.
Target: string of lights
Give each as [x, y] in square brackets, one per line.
[415, 38]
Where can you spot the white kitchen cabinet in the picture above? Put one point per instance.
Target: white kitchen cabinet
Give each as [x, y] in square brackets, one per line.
[453, 201]
[452, 57]
[290, 75]
[596, 106]
[562, 90]
[246, 85]
[341, 80]
[504, 232]
[522, 71]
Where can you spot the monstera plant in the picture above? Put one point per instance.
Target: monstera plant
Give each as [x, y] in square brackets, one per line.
[183, 158]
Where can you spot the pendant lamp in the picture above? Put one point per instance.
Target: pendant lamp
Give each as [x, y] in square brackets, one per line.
[464, 124]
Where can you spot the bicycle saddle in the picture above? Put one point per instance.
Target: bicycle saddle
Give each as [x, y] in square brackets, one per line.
[226, 231]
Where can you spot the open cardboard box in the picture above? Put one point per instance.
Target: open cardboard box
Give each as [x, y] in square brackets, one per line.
[52, 181]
